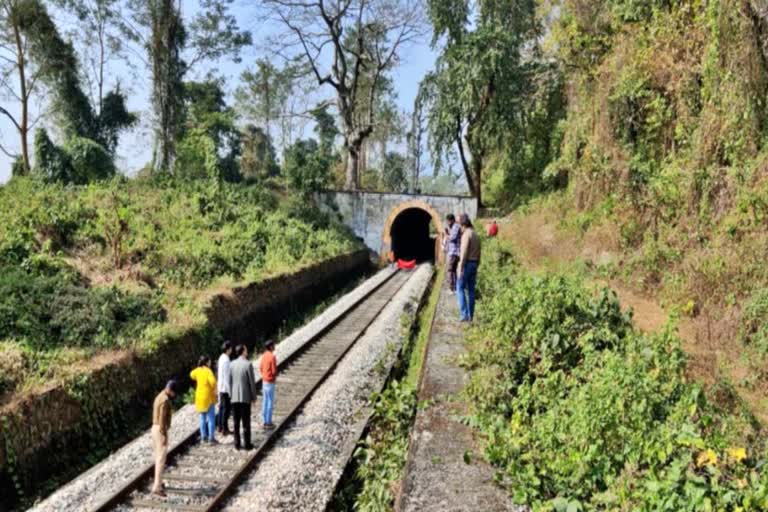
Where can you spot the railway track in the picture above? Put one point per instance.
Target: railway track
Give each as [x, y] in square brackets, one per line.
[199, 477]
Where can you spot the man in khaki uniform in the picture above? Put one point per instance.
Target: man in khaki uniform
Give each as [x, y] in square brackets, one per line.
[161, 422]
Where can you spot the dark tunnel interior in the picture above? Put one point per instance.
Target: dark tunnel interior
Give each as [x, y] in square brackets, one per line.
[411, 236]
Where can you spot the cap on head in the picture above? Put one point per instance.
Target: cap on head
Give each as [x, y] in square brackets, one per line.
[172, 386]
[269, 343]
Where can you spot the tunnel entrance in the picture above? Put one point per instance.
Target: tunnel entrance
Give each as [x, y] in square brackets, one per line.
[413, 236]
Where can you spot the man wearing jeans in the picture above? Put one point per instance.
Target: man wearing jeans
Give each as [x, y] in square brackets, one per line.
[452, 242]
[268, 368]
[469, 261]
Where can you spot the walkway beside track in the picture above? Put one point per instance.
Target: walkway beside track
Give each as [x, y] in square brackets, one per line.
[437, 476]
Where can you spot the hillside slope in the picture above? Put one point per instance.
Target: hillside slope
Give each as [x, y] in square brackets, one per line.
[86, 272]
[664, 155]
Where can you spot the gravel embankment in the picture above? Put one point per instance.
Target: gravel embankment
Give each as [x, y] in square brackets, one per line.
[105, 478]
[301, 471]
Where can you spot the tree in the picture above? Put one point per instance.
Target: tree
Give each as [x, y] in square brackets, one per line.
[317, 31]
[415, 137]
[102, 116]
[258, 159]
[19, 74]
[206, 111]
[326, 130]
[173, 50]
[51, 163]
[305, 167]
[394, 176]
[264, 94]
[99, 30]
[168, 68]
[43, 57]
[480, 78]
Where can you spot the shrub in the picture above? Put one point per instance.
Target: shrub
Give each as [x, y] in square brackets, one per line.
[52, 311]
[582, 412]
[13, 365]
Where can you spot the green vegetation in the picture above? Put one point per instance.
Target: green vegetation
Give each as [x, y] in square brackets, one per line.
[123, 263]
[580, 411]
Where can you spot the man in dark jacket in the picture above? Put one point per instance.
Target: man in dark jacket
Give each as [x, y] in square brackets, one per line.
[243, 386]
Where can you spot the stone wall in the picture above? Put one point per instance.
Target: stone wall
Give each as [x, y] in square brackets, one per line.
[45, 433]
[370, 214]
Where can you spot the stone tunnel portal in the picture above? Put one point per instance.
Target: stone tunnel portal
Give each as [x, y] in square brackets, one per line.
[414, 236]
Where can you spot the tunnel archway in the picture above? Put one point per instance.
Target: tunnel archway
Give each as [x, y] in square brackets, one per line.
[412, 232]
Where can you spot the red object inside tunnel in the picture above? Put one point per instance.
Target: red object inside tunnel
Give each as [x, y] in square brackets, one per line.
[406, 265]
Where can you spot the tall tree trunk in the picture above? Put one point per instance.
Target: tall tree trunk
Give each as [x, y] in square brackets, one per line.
[167, 76]
[353, 165]
[465, 165]
[477, 187]
[24, 94]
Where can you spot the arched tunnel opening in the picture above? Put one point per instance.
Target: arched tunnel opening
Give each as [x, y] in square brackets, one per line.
[413, 236]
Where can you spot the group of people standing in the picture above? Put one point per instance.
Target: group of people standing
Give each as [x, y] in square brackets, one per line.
[234, 390]
[462, 251]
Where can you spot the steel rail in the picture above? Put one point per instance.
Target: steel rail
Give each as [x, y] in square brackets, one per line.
[122, 494]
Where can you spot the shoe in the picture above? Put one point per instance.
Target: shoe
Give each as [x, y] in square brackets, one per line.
[249, 447]
[159, 492]
[226, 433]
[238, 447]
[213, 441]
[268, 426]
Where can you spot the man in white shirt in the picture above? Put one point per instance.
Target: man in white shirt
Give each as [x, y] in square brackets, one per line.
[225, 393]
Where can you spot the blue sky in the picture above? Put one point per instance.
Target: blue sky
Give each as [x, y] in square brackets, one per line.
[135, 146]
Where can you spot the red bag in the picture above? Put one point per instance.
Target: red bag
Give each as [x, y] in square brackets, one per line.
[406, 265]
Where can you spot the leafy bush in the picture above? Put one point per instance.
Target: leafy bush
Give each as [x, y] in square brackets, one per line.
[51, 311]
[582, 412]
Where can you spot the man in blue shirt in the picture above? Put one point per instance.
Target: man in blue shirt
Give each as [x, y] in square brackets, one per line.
[452, 237]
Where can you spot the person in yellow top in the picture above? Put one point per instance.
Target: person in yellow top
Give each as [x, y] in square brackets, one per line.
[205, 398]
